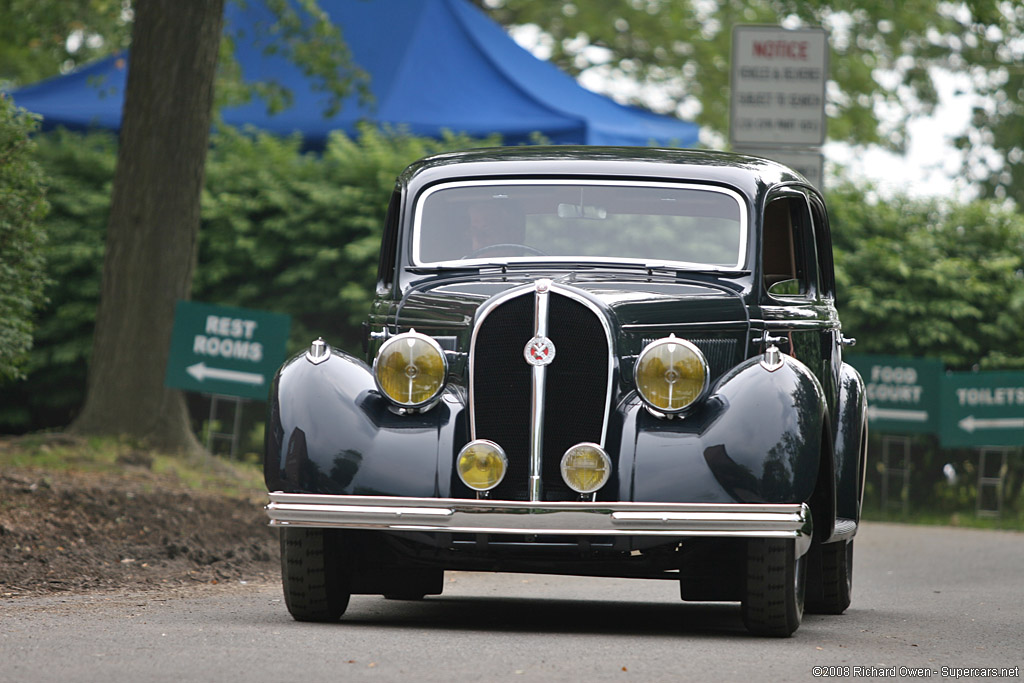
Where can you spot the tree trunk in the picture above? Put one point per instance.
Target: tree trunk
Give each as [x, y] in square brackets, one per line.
[154, 223]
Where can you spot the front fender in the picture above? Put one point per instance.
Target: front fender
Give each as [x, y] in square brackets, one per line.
[316, 407]
[755, 439]
[851, 439]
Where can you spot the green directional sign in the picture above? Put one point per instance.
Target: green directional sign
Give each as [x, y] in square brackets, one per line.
[225, 350]
[982, 409]
[902, 393]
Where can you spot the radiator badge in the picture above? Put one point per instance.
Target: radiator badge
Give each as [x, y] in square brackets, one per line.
[539, 351]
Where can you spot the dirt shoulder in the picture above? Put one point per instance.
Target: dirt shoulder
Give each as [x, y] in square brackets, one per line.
[127, 530]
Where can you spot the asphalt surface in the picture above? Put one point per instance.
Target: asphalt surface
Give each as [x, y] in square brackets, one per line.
[938, 599]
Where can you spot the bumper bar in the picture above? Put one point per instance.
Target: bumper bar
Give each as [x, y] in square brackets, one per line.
[457, 515]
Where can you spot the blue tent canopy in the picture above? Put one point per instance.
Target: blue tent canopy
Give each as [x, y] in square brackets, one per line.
[434, 65]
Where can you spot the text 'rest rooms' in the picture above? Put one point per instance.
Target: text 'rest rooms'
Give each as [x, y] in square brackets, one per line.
[227, 337]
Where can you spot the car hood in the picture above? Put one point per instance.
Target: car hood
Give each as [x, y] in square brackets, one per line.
[634, 301]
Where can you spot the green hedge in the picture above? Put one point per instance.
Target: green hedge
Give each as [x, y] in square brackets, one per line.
[282, 230]
[298, 233]
[22, 207]
[930, 277]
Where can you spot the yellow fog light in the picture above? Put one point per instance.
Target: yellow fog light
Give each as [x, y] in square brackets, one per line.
[410, 369]
[586, 467]
[671, 374]
[481, 465]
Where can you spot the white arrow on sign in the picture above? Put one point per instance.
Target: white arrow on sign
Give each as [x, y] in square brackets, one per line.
[201, 372]
[897, 414]
[970, 423]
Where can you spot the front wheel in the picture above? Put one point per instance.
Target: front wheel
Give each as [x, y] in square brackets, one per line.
[831, 580]
[314, 574]
[773, 601]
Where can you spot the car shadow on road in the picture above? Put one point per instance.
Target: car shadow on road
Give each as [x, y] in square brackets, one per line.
[547, 615]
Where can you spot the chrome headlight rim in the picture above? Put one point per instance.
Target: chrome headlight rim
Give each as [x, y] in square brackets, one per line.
[705, 369]
[432, 400]
[498, 450]
[606, 461]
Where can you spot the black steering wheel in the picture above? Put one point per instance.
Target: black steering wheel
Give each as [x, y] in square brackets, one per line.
[513, 245]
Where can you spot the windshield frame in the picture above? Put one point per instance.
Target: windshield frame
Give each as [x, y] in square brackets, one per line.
[420, 202]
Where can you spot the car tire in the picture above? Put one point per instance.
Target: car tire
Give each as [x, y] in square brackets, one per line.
[313, 574]
[773, 602]
[830, 585]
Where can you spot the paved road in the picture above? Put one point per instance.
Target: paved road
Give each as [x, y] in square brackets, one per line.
[923, 597]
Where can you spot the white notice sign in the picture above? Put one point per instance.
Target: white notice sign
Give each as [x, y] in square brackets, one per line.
[778, 86]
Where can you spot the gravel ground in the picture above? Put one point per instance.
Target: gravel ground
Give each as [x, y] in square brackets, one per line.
[81, 531]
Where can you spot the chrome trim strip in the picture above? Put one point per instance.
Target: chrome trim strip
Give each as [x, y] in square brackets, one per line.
[684, 326]
[744, 237]
[789, 325]
[539, 375]
[460, 515]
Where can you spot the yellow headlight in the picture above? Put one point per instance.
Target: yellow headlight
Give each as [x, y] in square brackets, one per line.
[671, 374]
[586, 467]
[481, 465]
[410, 369]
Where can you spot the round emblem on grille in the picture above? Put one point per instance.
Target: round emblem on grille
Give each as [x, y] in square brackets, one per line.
[539, 351]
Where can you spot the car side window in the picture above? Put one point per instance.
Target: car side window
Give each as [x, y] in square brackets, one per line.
[388, 244]
[823, 243]
[787, 254]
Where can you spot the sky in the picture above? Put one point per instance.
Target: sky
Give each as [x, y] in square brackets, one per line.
[930, 166]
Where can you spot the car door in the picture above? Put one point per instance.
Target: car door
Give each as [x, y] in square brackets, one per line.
[797, 301]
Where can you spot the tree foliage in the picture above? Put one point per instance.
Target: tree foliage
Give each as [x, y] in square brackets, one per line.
[80, 172]
[670, 55]
[22, 206]
[42, 38]
[930, 277]
[281, 230]
[885, 60]
[996, 67]
[300, 233]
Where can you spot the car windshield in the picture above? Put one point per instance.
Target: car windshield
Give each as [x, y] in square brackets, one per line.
[563, 220]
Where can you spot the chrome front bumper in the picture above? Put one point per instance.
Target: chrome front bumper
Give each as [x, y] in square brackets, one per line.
[457, 515]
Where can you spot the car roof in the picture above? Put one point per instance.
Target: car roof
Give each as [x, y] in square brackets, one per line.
[751, 175]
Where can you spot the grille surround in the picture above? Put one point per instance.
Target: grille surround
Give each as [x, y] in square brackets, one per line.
[577, 384]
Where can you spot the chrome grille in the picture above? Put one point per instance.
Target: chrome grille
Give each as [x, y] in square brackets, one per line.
[576, 386]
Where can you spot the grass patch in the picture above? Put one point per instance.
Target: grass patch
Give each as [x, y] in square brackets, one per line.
[1011, 520]
[57, 452]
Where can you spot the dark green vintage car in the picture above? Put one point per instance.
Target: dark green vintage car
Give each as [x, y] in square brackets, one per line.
[582, 360]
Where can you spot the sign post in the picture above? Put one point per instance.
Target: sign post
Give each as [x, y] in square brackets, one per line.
[225, 350]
